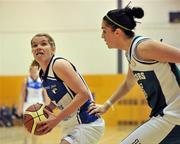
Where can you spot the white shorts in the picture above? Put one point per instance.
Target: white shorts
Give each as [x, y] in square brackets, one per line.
[154, 131]
[86, 133]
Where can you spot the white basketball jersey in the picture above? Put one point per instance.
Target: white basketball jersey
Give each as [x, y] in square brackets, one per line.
[34, 91]
[159, 81]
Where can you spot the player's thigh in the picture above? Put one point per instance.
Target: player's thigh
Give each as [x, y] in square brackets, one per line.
[86, 133]
[151, 132]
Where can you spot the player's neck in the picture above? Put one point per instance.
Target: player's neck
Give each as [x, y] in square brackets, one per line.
[124, 44]
[44, 65]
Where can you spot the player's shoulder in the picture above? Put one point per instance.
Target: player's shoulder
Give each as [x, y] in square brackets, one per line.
[139, 39]
[60, 61]
[62, 64]
[141, 42]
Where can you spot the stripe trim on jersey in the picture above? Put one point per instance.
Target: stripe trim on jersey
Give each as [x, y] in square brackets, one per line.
[176, 72]
[51, 78]
[137, 40]
[78, 117]
[65, 60]
[45, 74]
[144, 62]
[69, 91]
[130, 51]
[91, 97]
[71, 95]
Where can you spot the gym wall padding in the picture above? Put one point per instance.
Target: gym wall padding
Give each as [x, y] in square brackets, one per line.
[131, 110]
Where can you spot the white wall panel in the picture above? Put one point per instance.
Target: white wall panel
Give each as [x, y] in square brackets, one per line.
[74, 24]
[76, 28]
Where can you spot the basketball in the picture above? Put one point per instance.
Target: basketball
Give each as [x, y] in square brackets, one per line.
[34, 114]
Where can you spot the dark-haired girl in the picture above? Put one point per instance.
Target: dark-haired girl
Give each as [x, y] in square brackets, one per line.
[152, 66]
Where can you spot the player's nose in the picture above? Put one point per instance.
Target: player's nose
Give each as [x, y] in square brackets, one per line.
[39, 46]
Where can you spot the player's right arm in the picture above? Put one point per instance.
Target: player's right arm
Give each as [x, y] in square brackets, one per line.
[123, 89]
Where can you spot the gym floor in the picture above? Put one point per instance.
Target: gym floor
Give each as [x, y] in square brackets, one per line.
[15, 135]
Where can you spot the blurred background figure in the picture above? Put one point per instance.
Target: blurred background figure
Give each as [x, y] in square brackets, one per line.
[31, 93]
[6, 119]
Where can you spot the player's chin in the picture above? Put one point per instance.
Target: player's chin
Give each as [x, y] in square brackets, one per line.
[109, 46]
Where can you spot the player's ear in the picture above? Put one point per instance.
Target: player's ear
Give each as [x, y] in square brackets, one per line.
[118, 31]
[53, 50]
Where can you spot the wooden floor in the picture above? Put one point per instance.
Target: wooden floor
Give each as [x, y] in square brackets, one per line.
[15, 135]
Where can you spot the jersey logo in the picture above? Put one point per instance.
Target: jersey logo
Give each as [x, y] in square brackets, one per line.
[140, 76]
[54, 90]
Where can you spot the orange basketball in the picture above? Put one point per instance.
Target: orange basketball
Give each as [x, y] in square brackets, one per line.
[33, 115]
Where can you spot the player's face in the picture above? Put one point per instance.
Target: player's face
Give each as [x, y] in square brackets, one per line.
[34, 72]
[41, 48]
[108, 35]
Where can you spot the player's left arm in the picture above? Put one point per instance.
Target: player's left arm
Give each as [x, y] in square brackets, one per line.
[155, 50]
[67, 74]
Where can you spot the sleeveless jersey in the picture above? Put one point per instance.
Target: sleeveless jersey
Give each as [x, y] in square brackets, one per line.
[159, 81]
[34, 91]
[62, 95]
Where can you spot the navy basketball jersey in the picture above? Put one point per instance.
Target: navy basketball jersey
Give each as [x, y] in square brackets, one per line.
[62, 95]
[159, 81]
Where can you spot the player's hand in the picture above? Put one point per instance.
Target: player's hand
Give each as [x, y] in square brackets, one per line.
[96, 109]
[49, 124]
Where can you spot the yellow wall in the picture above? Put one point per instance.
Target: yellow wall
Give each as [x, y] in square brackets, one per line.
[10, 87]
[132, 109]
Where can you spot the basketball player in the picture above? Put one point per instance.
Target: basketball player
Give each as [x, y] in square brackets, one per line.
[69, 92]
[32, 92]
[152, 66]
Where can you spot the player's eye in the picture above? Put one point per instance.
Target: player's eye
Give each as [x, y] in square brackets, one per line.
[34, 45]
[104, 32]
[44, 44]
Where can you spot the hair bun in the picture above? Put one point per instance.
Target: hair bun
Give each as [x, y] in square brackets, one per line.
[137, 12]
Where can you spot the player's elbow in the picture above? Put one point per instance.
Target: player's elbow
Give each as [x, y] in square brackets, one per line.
[85, 95]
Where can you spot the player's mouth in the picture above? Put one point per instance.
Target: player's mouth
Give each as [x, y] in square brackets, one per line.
[39, 53]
